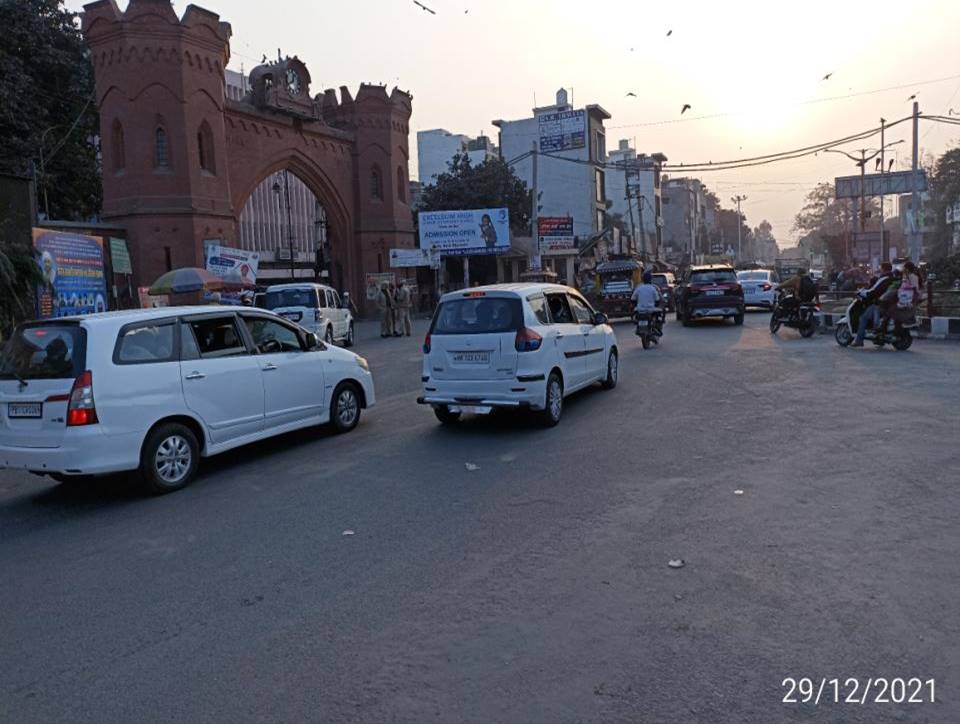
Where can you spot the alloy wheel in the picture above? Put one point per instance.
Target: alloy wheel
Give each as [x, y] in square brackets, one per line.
[173, 459]
[347, 407]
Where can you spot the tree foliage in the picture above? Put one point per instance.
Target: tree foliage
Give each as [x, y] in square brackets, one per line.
[944, 191]
[19, 271]
[492, 184]
[47, 101]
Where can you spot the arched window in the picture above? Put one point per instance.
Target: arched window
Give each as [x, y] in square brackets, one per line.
[205, 148]
[118, 149]
[376, 184]
[161, 153]
[401, 185]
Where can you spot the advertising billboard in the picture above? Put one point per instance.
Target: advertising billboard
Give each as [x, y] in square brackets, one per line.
[401, 258]
[562, 131]
[876, 184]
[73, 281]
[238, 265]
[555, 233]
[465, 233]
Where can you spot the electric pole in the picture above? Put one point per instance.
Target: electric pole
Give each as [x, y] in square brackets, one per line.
[915, 196]
[643, 233]
[535, 210]
[633, 228]
[738, 198]
[884, 250]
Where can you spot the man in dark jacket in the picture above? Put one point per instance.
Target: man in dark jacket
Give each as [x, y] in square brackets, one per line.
[871, 295]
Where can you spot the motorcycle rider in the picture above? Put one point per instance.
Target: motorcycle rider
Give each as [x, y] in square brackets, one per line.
[871, 296]
[646, 297]
[801, 288]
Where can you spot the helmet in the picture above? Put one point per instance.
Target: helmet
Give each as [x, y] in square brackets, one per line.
[648, 277]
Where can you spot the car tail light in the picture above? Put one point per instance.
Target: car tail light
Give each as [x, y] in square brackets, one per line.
[426, 344]
[527, 340]
[767, 287]
[81, 410]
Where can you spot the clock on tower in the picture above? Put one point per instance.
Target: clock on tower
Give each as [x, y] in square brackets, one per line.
[283, 87]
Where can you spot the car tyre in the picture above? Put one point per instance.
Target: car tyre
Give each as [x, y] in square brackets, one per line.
[345, 407]
[613, 371]
[169, 458]
[445, 415]
[738, 318]
[348, 342]
[553, 401]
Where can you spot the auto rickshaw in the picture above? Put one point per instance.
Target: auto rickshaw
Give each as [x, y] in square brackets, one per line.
[616, 281]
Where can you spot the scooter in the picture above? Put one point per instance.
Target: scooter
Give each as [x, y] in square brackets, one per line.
[802, 317]
[900, 339]
[649, 326]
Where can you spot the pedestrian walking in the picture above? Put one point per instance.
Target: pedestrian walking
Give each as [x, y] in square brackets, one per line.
[385, 306]
[404, 303]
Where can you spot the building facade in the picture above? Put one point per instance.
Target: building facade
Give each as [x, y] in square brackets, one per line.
[571, 168]
[187, 147]
[684, 219]
[633, 188]
[437, 147]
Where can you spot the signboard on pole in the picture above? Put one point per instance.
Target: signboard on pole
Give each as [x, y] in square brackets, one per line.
[878, 184]
[953, 213]
[868, 246]
[465, 233]
[73, 280]
[402, 258]
[562, 131]
[120, 256]
[555, 233]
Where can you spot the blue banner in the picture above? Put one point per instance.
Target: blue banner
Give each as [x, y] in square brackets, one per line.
[73, 280]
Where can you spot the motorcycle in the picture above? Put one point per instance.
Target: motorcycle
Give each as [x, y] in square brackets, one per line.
[901, 338]
[649, 326]
[802, 317]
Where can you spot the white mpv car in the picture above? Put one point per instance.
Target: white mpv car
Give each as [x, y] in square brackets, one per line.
[523, 346]
[315, 307]
[156, 389]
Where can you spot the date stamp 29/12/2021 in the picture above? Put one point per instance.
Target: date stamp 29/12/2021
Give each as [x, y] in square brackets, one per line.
[861, 691]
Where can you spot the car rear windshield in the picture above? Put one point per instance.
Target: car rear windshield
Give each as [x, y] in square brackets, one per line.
[290, 298]
[754, 276]
[713, 276]
[661, 280]
[44, 352]
[479, 315]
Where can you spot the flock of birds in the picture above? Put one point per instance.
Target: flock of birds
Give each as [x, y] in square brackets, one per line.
[630, 94]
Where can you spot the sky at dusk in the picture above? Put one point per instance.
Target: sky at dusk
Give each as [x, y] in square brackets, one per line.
[752, 72]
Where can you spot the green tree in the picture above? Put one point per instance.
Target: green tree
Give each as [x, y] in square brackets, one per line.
[492, 184]
[944, 191]
[47, 106]
[19, 271]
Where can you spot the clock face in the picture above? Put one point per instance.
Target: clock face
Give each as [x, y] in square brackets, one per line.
[294, 84]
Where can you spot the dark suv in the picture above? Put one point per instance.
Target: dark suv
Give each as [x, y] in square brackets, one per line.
[710, 290]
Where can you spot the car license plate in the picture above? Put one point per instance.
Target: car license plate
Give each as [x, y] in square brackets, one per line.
[25, 409]
[714, 292]
[471, 358]
[476, 409]
[643, 323]
[292, 316]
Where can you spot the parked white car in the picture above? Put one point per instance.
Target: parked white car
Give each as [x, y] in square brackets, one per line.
[759, 287]
[156, 389]
[315, 307]
[521, 346]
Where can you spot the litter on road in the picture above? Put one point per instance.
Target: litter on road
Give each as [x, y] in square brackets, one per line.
[677, 563]
[348, 532]
[738, 492]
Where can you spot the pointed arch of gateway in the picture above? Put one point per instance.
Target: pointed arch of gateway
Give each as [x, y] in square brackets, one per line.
[318, 219]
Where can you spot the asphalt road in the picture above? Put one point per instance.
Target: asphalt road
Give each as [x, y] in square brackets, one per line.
[535, 589]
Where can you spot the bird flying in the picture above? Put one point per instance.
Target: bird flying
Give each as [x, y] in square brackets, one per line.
[669, 33]
[913, 97]
[827, 76]
[686, 107]
[631, 94]
[424, 7]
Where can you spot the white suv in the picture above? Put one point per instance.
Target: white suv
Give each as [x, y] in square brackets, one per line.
[315, 307]
[156, 389]
[523, 346]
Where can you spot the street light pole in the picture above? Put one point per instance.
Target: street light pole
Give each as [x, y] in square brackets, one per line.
[43, 171]
[737, 199]
[286, 194]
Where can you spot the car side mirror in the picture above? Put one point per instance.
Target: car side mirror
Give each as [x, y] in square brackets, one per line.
[312, 341]
[599, 318]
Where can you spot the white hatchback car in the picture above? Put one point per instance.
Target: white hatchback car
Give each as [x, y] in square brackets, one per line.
[315, 307]
[759, 287]
[156, 389]
[522, 346]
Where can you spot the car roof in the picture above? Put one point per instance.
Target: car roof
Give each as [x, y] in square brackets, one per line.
[711, 267]
[521, 289]
[125, 316]
[297, 285]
